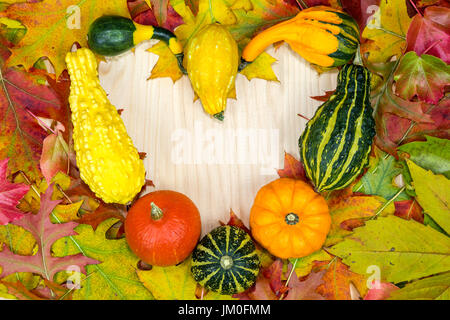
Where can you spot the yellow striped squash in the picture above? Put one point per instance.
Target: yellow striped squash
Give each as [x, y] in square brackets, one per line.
[336, 143]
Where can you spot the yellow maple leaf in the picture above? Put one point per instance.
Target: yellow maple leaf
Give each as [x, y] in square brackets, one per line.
[261, 68]
[386, 31]
[167, 65]
[55, 26]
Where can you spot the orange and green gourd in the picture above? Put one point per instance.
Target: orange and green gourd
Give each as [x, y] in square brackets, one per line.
[322, 35]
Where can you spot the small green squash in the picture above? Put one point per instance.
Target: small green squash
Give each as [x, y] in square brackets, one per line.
[336, 143]
[113, 35]
[225, 261]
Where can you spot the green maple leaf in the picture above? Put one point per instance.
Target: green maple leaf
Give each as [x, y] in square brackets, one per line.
[436, 288]
[115, 277]
[404, 250]
[433, 194]
[379, 178]
[432, 154]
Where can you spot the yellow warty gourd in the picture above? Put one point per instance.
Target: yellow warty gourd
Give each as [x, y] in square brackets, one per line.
[108, 161]
[212, 60]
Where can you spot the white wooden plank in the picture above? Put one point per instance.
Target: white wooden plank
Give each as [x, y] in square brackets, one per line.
[214, 163]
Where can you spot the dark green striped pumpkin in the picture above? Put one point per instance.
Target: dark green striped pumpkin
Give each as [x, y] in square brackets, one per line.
[225, 261]
[336, 143]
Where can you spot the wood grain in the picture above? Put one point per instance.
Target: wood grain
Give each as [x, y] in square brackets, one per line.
[220, 166]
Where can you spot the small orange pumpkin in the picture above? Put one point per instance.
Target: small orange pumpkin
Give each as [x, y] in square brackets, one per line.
[163, 227]
[289, 218]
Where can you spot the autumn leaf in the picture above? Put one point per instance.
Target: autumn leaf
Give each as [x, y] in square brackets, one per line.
[155, 13]
[355, 209]
[380, 291]
[425, 77]
[403, 249]
[261, 68]
[433, 194]
[435, 288]
[10, 195]
[45, 233]
[174, 283]
[337, 279]
[103, 212]
[409, 209]
[167, 65]
[399, 120]
[306, 289]
[169, 283]
[361, 11]
[115, 276]
[394, 130]
[431, 154]
[430, 33]
[55, 26]
[54, 156]
[304, 265]
[386, 31]
[19, 291]
[379, 178]
[22, 101]
[293, 168]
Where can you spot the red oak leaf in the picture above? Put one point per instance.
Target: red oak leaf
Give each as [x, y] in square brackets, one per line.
[430, 33]
[306, 289]
[45, 233]
[10, 195]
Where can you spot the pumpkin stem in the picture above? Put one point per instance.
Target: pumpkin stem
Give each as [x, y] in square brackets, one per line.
[291, 218]
[226, 262]
[156, 212]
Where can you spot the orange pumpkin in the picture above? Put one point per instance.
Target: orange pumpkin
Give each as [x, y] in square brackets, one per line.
[163, 227]
[289, 218]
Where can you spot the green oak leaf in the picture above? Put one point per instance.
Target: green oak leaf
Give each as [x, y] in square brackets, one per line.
[115, 276]
[403, 250]
[433, 194]
[433, 154]
[435, 288]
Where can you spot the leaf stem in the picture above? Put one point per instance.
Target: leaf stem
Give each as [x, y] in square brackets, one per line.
[387, 203]
[415, 8]
[289, 278]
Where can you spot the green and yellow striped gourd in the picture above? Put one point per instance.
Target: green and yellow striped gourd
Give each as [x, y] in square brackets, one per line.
[336, 143]
[225, 261]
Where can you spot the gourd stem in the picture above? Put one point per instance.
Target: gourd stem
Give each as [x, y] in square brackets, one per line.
[358, 59]
[156, 212]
